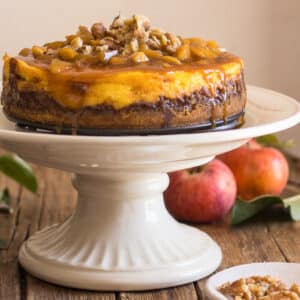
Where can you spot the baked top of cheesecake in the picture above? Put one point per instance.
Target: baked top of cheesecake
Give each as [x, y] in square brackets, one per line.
[124, 68]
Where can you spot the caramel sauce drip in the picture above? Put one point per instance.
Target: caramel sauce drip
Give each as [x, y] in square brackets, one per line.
[213, 114]
[154, 65]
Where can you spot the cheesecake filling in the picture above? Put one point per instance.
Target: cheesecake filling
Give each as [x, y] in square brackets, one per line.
[121, 87]
[39, 107]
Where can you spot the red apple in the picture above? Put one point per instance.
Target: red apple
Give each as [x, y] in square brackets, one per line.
[203, 196]
[258, 170]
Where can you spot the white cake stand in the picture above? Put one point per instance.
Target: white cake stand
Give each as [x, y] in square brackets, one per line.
[121, 236]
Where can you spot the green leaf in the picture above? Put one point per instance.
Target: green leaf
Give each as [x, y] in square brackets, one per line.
[293, 206]
[5, 197]
[17, 169]
[4, 203]
[271, 140]
[244, 210]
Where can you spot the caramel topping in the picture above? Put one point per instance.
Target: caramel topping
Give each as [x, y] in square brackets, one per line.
[126, 42]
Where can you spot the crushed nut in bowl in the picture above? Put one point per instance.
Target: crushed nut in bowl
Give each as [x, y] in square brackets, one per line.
[259, 288]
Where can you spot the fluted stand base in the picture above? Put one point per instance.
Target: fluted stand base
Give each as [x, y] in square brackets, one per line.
[120, 238]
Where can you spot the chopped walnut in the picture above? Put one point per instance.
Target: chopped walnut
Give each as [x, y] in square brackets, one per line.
[84, 33]
[98, 30]
[129, 41]
[76, 43]
[259, 288]
[110, 42]
[141, 27]
[173, 43]
[102, 48]
[142, 22]
[154, 43]
[138, 57]
[86, 49]
[134, 45]
[117, 22]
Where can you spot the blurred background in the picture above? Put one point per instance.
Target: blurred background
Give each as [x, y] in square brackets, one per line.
[264, 32]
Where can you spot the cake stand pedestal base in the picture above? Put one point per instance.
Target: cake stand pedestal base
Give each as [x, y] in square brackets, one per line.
[120, 238]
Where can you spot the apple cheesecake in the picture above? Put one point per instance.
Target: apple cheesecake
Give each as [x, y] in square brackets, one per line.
[126, 76]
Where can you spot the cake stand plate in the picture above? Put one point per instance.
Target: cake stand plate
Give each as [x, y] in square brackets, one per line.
[120, 236]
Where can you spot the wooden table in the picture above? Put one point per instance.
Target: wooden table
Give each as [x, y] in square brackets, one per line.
[267, 238]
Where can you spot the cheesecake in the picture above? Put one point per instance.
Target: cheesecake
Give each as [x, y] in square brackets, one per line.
[125, 76]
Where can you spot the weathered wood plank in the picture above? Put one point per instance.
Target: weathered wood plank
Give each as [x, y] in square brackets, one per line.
[265, 239]
[186, 292]
[40, 290]
[8, 222]
[245, 243]
[10, 284]
[294, 164]
[287, 238]
[286, 234]
[14, 230]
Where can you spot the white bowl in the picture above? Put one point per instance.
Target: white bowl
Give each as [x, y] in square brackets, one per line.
[288, 273]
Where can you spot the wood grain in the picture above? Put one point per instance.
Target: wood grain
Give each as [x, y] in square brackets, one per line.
[56, 202]
[186, 292]
[269, 237]
[242, 244]
[294, 178]
[286, 234]
[14, 230]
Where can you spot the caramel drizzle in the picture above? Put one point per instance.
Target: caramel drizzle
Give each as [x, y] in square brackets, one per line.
[155, 65]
